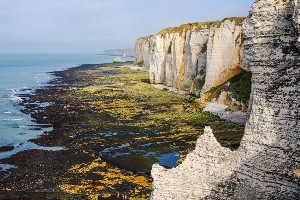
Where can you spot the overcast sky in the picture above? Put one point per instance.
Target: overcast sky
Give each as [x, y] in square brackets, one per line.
[90, 26]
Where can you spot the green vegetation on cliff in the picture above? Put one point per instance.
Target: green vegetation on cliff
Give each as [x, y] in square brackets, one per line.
[239, 86]
[198, 26]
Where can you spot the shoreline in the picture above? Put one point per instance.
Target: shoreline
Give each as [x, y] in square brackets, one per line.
[220, 110]
[114, 55]
[109, 120]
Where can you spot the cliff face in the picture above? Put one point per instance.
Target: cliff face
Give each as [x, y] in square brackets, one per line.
[193, 57]
[267, 164]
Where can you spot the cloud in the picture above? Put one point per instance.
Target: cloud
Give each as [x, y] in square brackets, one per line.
[66, 26]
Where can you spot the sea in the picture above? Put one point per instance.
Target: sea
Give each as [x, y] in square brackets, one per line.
[23, 73]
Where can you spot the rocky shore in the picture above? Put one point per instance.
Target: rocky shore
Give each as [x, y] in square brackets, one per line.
[112, 125]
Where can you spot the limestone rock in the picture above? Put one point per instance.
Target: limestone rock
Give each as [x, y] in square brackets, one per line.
[194, 55]
[266, 166]
[223, 54]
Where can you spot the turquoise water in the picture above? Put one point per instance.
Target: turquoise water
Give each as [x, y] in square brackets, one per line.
[22, 73]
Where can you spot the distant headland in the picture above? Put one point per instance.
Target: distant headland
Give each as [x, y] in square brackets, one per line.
[119, 52]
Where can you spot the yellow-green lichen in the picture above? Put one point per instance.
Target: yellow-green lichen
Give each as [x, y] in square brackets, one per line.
[198, 26]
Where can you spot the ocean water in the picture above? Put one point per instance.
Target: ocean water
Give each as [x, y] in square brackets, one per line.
[22, 73]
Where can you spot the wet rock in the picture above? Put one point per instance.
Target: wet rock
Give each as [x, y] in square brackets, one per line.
[6, 148]
[23, 156]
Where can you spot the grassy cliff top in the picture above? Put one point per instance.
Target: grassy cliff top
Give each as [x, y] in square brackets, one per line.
[200, 25]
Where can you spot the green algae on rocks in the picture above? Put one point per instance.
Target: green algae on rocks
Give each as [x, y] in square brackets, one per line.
[114, 125]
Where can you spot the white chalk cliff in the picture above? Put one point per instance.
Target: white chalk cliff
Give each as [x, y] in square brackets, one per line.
[193, 57]
[266, 166]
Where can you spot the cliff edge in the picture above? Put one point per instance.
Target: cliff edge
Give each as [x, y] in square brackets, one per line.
[193, 57]
[200, 58]
[267, 164]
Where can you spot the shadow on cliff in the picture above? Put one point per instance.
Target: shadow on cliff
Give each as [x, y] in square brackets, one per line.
[271, 141]
[267, 164]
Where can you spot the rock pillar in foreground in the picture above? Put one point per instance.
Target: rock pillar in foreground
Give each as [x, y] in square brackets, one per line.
[266, 165]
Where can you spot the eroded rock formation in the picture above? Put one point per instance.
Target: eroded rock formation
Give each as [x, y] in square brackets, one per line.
[193, 57]
[266, 166]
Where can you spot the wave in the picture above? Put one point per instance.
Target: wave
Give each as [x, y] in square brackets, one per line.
[13, 98]
[16, 119]
[27, 146]
[5, 167]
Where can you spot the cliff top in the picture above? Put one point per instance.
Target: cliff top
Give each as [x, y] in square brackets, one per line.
[200, 25]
